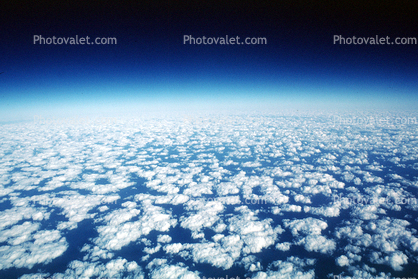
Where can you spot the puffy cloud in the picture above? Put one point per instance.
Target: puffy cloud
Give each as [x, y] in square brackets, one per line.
[285, 246]
[206, 216]
[214, 254]
[220, 254]
[291, 208]
[172, 199]
[173, 271]
[395, 259]
[302, 199]
[318, 243]
[119, 233]
[227, 188]
[251, 164]
[306, 226]
[330, 211]
[173, 248]
[75, 207]
[150, 175]
[120, 216]
[19, 233]
[12, 216]
[342, 261]
[164, 238]
[35, 276]
[47, 246]
[292, 268]
[255, 234]
[117, 268]
[353, 231]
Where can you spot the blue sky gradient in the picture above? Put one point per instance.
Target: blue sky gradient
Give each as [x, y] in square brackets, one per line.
[151, 67]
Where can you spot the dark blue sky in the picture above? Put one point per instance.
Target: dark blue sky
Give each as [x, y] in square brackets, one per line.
[151, 67]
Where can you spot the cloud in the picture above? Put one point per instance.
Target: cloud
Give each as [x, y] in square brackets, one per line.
[47, 246]
[35, 276]
[173, 248]
[12, 216]
[395, 259]
[117, 268]
[173, 271]
[206, 215]
[255, 234]
[342, 261]
[306, 226]
[318, 243]
[292, 268]
[213, 254]
[285, 246]
[330, 211]
[138, 181]
[119, 233]
[19, 233]
[164, 238]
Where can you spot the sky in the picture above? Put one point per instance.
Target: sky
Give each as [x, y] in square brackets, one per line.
[151, 68]
[85, 189]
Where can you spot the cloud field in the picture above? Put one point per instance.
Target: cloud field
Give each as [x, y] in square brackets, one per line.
[255, 196]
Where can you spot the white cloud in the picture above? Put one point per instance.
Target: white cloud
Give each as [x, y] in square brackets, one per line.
[164, 238]
[35, 276]
[342, 261]
[329, 211]
[318, 243]
[12, 216]
[395, 259]
[221, 255]
[173, 248]
[286, 270]
[255, 234]
[112, 269]
[177, 165]
[306, 226]
[47, 246]
[285, 246]
[207, 215]
[119, 233]
[19, 233]
[173, 271]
